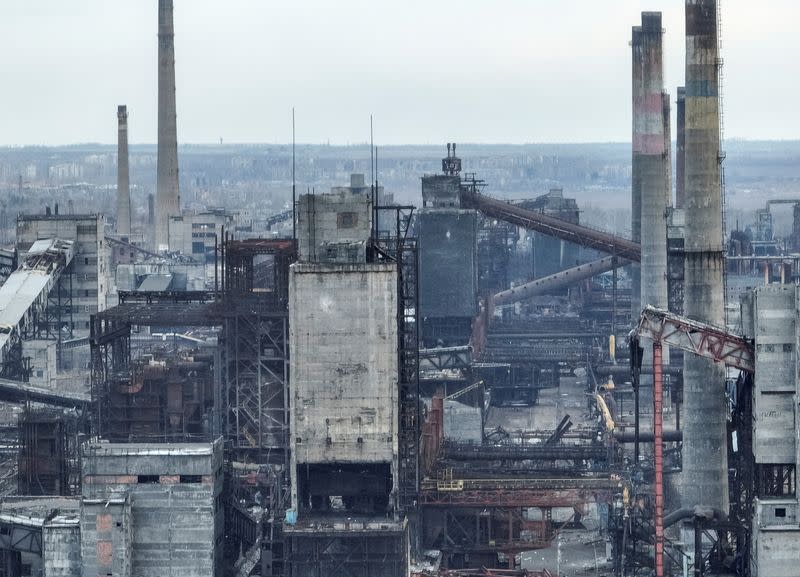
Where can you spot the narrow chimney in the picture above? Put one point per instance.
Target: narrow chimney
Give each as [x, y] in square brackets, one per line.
[705, 458]
[123, 180]
[680, 150]
[650, 166]
[167, 191]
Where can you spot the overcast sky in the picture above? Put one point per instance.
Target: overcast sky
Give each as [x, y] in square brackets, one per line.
[430, 71]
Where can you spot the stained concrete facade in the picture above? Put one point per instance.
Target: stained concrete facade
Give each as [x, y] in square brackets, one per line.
[106, 542]
[769, 316]
[344, 365]
[651, 164]
[334, 227]
[176, 515]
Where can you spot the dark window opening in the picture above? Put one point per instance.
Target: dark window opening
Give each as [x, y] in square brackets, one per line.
[148, 479]
[780, 511]
[776, 480]
[191, 478]
[346, 220]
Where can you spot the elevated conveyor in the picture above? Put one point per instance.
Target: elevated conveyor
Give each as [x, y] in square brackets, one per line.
[17, 392]
[24, 294]
[552, 226]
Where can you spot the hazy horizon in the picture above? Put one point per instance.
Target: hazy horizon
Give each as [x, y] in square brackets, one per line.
[511, 72]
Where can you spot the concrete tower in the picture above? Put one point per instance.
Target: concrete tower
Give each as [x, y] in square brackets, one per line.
[705, 462]
[680, 150]
[651, 159]
[168, 199]
[636, 177]
[123, 180]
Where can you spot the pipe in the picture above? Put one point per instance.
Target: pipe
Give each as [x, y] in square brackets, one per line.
[658, 450]
[680, 150]
[624, 371]
[557, 281]
[691, 512]
[626, 437]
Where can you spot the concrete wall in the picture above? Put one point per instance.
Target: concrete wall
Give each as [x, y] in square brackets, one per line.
[343, 338]
[188, 231]
[775, 382]
[441, 190]
[448, 268]
[106, 537]
[177, 521]
[769, 315]
[43, 361]
[462, 422]
[776, 540]
[61, 550]
[324, 219]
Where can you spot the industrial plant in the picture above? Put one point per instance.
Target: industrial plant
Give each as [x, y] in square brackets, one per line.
[348, 384]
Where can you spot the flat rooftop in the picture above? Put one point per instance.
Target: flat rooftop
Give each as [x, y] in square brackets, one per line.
[40, 511]
[144, 449]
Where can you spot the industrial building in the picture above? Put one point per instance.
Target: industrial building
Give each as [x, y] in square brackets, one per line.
[143, 510]
[476, 386]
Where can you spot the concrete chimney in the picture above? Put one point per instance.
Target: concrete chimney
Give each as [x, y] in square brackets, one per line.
[167, 191]
[650, 163]
[651, 160]
[705, 459]
[636, 177]
[680, 150]
[123, 179]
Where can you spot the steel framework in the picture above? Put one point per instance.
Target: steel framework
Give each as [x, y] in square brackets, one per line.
[705, 340]
[398, 245]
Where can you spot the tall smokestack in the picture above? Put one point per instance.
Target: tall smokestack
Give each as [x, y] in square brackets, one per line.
[651, 160]
[168, 198]
[705, 460]
[680, 150]
[123, 179]
[637, 94]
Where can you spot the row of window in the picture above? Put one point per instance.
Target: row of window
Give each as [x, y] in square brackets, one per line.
[155, 479]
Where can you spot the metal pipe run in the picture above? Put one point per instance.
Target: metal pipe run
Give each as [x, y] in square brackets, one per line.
[658, 451]
[557, 281]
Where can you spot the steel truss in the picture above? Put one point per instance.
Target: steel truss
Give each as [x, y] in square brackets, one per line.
[402, 248]
[322, 553]
[256, 384]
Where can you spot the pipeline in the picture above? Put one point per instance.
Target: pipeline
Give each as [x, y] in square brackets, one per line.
[557, 281]
[692, 512]
[467, 452]
[628, 437]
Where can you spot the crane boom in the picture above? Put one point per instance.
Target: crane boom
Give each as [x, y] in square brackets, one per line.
[702, 339]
